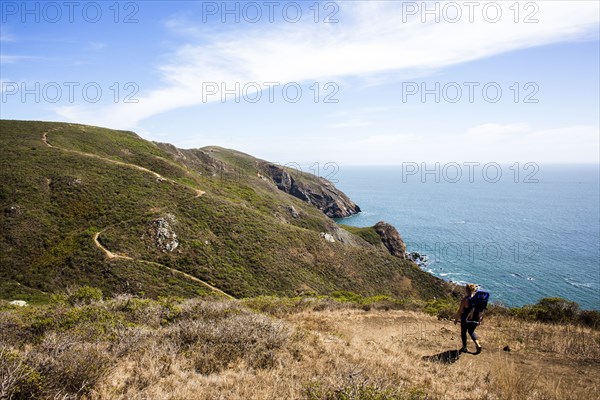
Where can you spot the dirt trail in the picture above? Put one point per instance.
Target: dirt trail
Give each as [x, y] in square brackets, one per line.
[198, 192]
[108, 253]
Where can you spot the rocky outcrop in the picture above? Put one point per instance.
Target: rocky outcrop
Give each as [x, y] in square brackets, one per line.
[391, 239]
[199, 160]
[293, 212]
[160, 232]
[327, 236]
[417, 258]
[316, 191]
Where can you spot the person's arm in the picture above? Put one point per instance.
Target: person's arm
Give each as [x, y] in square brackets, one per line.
[460, 310]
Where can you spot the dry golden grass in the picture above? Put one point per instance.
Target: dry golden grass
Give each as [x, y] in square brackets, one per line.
[320, 350]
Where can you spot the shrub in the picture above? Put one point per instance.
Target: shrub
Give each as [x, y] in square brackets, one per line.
[68, 366]
[277, 306]
[361, 390]
[554, 309]
[17, 379]
[590, 318]
[346, 296]
[442, 308]
[81, 296]
[251, 338]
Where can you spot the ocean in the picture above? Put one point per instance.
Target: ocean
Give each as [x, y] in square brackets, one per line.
[521, 232]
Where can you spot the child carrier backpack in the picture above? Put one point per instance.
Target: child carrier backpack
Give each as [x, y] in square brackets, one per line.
[478, 304]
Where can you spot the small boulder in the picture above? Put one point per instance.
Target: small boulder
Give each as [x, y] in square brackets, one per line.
[20, 303]
[12, 211]
[294, 213]
[327, 236]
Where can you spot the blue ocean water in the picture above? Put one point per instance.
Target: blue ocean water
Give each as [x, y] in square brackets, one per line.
[519, 239]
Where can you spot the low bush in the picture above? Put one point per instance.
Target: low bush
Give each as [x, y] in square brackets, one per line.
[556, 310]
[442, 308]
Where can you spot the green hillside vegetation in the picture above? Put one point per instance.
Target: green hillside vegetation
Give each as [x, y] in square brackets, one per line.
[233, 227]
[367, 233]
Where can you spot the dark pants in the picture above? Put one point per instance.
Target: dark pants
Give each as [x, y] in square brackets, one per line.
[467, 327]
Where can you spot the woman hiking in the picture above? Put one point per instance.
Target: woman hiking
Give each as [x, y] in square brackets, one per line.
[467, 322]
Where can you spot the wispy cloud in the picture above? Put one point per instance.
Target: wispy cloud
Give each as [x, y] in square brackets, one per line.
[369, 42]
[13, 59]
[96, 46]
[504, 144]
[351, 123]
[357, 118]
[7, 37]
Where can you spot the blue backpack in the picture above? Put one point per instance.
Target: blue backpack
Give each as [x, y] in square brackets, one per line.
[477, 304]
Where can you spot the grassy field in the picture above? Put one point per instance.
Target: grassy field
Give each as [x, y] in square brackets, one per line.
[83, 346]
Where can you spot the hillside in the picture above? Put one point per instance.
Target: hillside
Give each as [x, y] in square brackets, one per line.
[83, 205]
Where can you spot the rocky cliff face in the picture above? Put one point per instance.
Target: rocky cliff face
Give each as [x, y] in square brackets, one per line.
[391, 239]
[214, 161]
[319, 192]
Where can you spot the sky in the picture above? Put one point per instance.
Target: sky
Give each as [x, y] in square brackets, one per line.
[349, 82]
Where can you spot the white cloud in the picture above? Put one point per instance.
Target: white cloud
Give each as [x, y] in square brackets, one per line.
[13, 59]
[96, 46]
[370, 41]
[351, 123]
[502, 143]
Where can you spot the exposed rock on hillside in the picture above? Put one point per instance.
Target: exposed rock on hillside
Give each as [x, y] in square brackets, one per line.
[319, 192]
[293, 212]
[391, 239]
[12, 211]
[215, 161]
[328, 237]
[161, 233]
[199, 160]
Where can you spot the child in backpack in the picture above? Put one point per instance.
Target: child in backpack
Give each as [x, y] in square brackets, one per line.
[466, 323]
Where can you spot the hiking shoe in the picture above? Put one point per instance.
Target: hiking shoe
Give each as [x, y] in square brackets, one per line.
[478, 350]
[463, 350]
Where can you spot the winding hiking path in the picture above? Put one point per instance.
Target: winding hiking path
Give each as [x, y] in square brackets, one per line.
[198, 192]
[108, 253]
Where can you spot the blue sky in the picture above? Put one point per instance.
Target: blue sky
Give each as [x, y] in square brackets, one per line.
[367, 67]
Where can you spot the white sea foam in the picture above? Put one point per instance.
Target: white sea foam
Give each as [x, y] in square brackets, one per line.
[579, 284]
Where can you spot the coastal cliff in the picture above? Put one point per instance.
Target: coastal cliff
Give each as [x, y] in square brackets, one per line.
[319, 192]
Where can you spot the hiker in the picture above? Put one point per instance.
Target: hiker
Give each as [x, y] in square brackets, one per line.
[467, 322]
